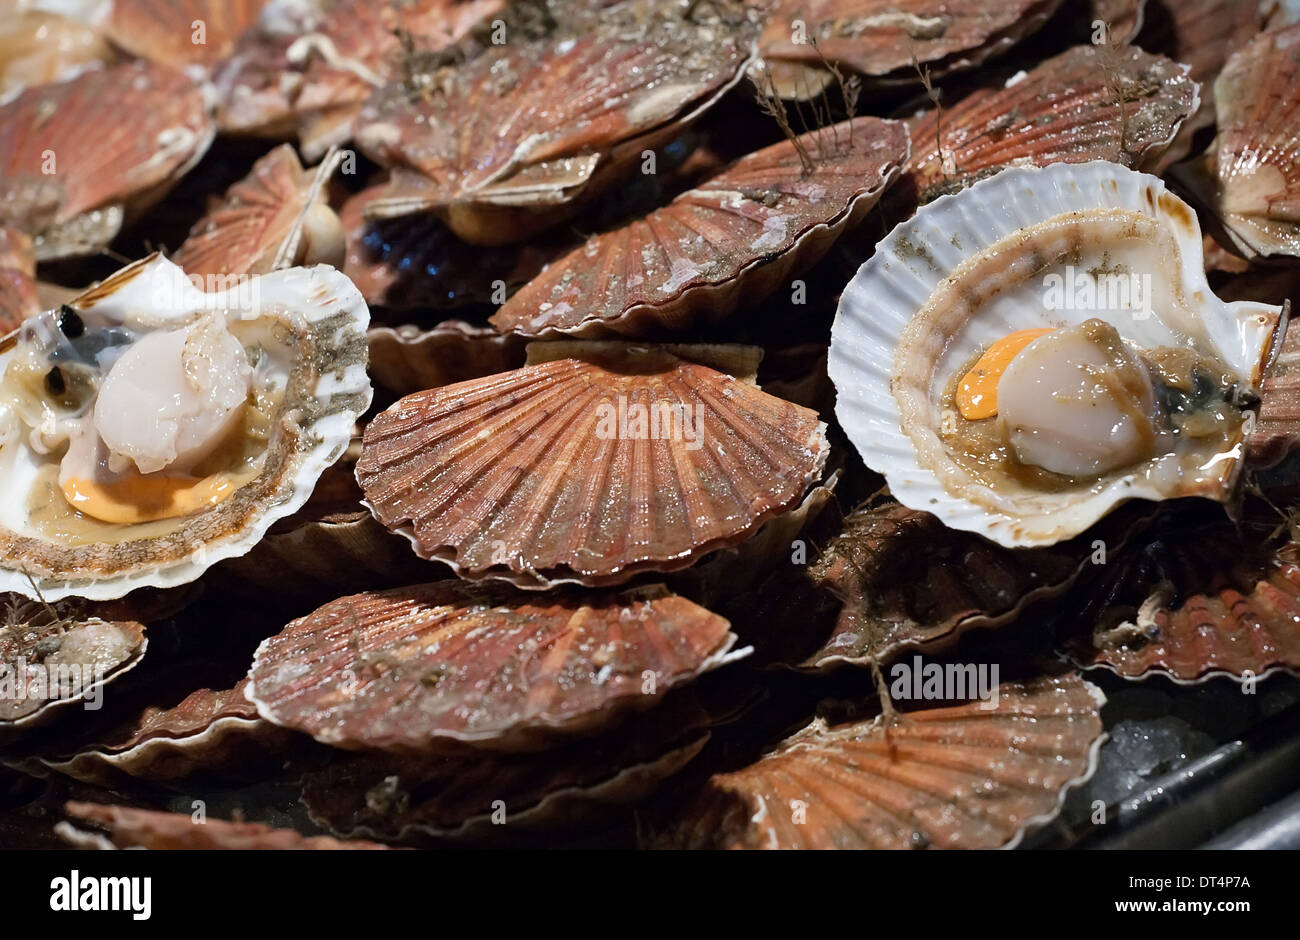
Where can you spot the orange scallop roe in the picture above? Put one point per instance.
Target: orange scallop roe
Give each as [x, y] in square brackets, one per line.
[977, 394]
[148, 498]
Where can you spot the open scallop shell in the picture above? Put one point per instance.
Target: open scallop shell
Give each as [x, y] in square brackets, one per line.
[1253, 169]
[914, 314]
[1200, 597]
[555, 473]
[276, 217]
[209, 733]
[729, 241]
[69, 164]
[964, 776]
[322, 389]
[52, 664]
[884, 39]
[394, 670]
[515, 135]
[1088, 103]
[18, 297]
[485, 797]
[179, 33]
[126, 827]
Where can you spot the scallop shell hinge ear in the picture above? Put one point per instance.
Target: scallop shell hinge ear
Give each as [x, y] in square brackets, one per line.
[150, 429]
[1021, 357]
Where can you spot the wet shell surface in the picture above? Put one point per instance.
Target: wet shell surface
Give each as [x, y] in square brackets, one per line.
[125, 827]
[212, 733]
[1255, 163]
[883, 38]
[276, 217]
[68, 165]
[526, 127]
[1277, 432]
[1088, 103]
[179, 33]
[727, 242]
[406, 799]
[964, 776]
[39, 46]
[588, 470]
[1201, 600]
[909, 583]
[190, 489]
[409, 669]
[18, 297]
[54, 664]
[1021, 251]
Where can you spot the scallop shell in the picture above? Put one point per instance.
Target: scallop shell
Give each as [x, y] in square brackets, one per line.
[125, 827]
[1088, 103]
[911, 270]
[325, 320]
[38, 652]
[725, 243]
[483, 797]
[883, 38]
[962, 776]
[18, 298]
[416, 262]
[40, 46]
[68, 164]
[1196, 600]
[514, 136]
[178, 33]
[394, 670]
[408, 359]
[544, 474]
[1201, 34]
[275, 217]
[1254, 167]
[1277, 431]
[209, 733]
[909, 583]
[310, 68]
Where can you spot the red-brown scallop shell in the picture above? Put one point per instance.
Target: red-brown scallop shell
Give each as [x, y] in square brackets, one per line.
[309, 70]
[1254, 166]
[1277, 428]
[38, 46]
[1087, 103]
[890, 40]
[277, 216]
[414, 261]
[69, 162]
[1199, 598]
[588, 470]
[408, 359]
[45, 654]
[727, 242]
[18, 297]
[907, 582]
[411, 799]
[503, 145]
[177, 33]
[413, 669]
[125, 827]
[209, 733]
[1201, 34]
[961, 776]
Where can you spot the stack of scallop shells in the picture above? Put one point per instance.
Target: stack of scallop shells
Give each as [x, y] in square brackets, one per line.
[594, 547]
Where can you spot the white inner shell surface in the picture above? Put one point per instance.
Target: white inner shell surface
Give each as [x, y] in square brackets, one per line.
[973, 267]
[240, 340]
